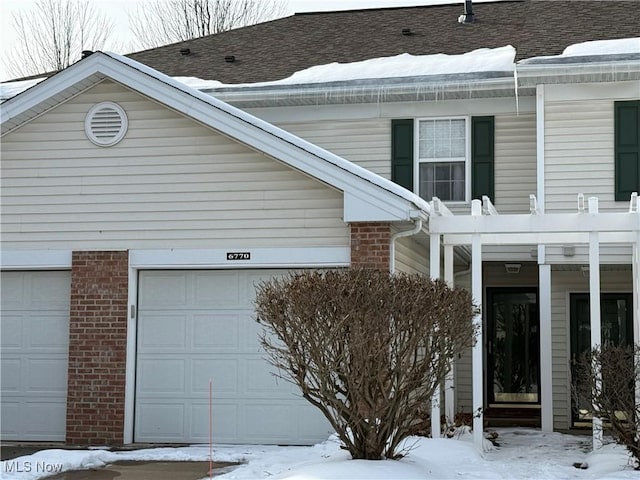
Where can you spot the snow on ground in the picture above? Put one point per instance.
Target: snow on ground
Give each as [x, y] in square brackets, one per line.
[521, 454]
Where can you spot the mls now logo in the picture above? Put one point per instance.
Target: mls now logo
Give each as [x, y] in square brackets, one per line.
[16, 466]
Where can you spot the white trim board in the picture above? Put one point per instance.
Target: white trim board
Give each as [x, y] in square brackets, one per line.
[258, 258]
[35, 259]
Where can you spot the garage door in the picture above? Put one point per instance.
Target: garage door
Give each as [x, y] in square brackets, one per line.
[35, 342]
[197, 325]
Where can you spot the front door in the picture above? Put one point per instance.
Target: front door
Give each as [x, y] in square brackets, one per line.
[514, 348]
[617, 329]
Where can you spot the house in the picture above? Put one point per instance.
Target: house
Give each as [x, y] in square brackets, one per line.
[138, 212]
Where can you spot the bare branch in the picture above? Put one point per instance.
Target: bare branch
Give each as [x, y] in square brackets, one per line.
[366, 348]
[53, 36]
[604, 385]
[155, 23]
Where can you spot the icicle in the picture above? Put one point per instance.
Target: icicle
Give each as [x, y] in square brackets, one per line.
[515, 86]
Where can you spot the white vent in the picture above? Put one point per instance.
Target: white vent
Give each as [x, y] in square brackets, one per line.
[106, 124]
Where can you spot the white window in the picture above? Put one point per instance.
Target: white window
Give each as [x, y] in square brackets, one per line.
[442, 158]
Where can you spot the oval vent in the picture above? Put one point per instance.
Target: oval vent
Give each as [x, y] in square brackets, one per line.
[106, 124]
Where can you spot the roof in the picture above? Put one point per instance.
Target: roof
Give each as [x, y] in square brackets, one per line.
[276, 49]
[367, 196]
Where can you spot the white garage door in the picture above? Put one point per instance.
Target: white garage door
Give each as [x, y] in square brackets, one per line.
[35, 344]
[197, 325]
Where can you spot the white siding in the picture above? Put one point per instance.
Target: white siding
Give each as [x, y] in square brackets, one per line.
[515, 162]
[563, 283]
[579, 154]
[365, 142]
[579, 158]
[171, 183]
[463, 382]
[412, 256]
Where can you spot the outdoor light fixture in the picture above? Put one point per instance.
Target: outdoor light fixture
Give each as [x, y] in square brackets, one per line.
[585, 270]
[512, 267]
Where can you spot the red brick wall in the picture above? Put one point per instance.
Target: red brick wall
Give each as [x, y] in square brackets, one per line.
[370, 245]
[97, 348]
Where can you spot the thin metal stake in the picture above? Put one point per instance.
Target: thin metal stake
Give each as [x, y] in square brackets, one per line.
[210, 428]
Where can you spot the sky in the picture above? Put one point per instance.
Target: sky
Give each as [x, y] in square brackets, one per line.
[117, 10]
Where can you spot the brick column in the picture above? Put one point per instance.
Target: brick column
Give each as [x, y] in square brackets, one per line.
[370, 245]
[97, 348]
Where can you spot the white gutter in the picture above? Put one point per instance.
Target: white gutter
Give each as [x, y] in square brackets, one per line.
[422, 88]
[562, 70]
[392, 247]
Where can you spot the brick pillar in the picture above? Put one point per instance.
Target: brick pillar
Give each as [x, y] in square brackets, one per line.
[370, 245]
[97, 348]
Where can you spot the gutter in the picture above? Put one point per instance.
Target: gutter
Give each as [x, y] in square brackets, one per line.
[419, 88]
[392, 247]
[593, 68]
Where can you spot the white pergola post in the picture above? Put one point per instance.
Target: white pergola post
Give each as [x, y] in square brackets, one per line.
[449, 400]
[434, 259]
[477, 353]
[594, 306]
[546, 380]
[636, 305]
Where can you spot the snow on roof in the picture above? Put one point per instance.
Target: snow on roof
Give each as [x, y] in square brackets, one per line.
[500, 59]
[11, 89]
[578, 52]
[603, 47]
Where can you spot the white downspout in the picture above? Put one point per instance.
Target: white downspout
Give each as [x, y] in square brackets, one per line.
[392, 247]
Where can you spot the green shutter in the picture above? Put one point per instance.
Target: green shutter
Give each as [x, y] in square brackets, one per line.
[627, 148]
[482, 155]
[402, 152]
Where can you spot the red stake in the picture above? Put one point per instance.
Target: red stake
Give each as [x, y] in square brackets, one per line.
[210, 428]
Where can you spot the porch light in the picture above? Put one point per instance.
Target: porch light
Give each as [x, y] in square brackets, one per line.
[513, 268]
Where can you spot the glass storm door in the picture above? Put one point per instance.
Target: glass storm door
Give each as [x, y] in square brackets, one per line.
[514, 346]
[617, 329]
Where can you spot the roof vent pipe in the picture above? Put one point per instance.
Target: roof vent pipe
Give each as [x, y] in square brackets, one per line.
[86, 53]
[467, 17]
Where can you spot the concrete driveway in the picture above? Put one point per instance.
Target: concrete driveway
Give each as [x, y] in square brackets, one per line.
[131, 470]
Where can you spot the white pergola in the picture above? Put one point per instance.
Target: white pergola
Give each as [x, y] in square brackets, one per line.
[485, 227]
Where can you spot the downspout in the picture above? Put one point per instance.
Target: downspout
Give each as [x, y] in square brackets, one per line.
[392, 247]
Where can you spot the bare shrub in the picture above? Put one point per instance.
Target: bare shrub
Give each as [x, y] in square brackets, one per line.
[614, 398]
[365, 347]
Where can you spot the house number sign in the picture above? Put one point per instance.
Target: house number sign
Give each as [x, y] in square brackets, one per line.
[238, 255]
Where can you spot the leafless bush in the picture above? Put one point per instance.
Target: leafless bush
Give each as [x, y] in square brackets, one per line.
[614, 398]
[365, 347]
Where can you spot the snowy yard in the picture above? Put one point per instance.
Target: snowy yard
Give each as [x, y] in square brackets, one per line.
[522, 454]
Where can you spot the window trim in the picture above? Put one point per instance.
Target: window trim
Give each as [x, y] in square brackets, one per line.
[467, 154]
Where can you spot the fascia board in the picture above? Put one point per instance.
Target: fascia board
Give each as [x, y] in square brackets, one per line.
[40, 93]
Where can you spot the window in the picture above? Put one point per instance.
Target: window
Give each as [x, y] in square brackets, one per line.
[454, 157]
[442, 153]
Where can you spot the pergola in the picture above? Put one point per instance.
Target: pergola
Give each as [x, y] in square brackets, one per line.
[486, 227]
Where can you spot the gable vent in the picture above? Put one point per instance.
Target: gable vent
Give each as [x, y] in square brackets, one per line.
[106, 124]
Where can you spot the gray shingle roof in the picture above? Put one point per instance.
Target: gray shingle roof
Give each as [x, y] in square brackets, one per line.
[276, 49]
